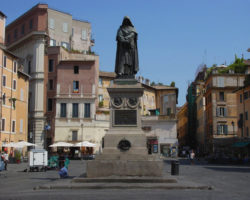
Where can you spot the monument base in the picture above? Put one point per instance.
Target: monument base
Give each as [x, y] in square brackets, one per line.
[125, 145]
[105, 168]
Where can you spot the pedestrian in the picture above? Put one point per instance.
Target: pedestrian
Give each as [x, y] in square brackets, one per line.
[192, 156]
[61, 160]
[5, 159]
[63, 172]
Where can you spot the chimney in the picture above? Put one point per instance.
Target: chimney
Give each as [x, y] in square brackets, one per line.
[147, 81]
[2, 27]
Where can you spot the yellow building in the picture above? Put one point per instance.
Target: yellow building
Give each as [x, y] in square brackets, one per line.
[148, 100]
[105, 80]
[14, 101]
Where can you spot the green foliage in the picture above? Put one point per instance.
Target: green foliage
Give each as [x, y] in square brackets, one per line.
[18, 155]
[13, 100]
[238, 67]
[101, 104]
[172, 84]
[153, 83]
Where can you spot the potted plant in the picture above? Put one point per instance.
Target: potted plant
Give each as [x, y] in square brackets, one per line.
[18, 156]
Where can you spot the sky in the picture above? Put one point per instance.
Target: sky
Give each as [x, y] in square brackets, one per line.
[174, 36]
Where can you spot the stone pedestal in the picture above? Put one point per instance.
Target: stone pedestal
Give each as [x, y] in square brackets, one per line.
[125, 147]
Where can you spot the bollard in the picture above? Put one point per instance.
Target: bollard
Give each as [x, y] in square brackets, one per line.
[175, 167]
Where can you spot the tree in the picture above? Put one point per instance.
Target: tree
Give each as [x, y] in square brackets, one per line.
[172, 84]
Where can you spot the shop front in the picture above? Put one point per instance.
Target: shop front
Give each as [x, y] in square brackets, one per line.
[152, 144]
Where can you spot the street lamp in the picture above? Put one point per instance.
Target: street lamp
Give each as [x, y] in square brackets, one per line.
[233, 126]
[81, 139]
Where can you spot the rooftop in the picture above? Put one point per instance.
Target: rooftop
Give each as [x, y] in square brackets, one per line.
[107, 74]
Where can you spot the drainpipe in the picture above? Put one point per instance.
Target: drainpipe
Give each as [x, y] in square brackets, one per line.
[1, 103]
[11, 102]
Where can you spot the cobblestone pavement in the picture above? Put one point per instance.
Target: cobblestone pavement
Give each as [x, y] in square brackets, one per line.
[228, 182]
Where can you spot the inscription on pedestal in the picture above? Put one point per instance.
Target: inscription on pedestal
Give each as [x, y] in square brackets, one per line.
[125, 117]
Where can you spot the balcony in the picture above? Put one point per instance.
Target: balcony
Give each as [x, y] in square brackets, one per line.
[159, 117]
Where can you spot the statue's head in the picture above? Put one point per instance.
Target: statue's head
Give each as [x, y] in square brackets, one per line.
[127, 22]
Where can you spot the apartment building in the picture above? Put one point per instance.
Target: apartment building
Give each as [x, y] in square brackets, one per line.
[221, 110]
[14, 94]
[14, 99]
[31, 36]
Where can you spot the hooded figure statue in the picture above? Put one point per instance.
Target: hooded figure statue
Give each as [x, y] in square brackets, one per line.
[127, 64]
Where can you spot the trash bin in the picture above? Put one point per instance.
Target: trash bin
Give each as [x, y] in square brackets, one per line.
[175, 167]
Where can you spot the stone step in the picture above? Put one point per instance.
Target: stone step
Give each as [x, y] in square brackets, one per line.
[124, 180]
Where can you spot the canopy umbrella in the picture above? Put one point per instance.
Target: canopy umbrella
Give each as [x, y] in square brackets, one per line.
[11, 144]
[85, 144]
[24, 144]
[61, 144]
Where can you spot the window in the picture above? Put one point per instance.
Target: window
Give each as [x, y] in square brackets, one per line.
[13, 103]
[51, 84]
[221, 111]
[4, 80]
[3, 124]
[21, 126]
[52, 42]
[65, 27]
[31, 24]
[51, 23]
[29, 67]
[65, 45]
[51, 65]
[111, 82]
[100, 97]
[100, 81]
[221, 96]
[87, 110]
[76, 69]
[241, 98]
[245, 95]
[21, 94]
[72, 31]
[23, 29]
[247, 131]
[4, 61]
[14, 84]
[74, 135]
[63, 112]
[4, 99]
[84, 34]
[75, 86]
[15, 34]
[50, 104]
[246, 115]
[75, 110]
[15, 67]
[168, 111]
[13, 126]
[221, 129]
[220, 81]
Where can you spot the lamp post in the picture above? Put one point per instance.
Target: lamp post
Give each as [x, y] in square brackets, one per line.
[233, 126]
[81, 139]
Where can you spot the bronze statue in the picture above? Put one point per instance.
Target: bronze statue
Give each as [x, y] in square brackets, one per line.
[127, 64]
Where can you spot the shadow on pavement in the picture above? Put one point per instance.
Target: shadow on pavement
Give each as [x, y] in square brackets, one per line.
[53, 179]
[230, 169]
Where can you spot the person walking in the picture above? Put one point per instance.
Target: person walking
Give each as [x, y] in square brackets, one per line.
[5, 159]
[192, 156]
